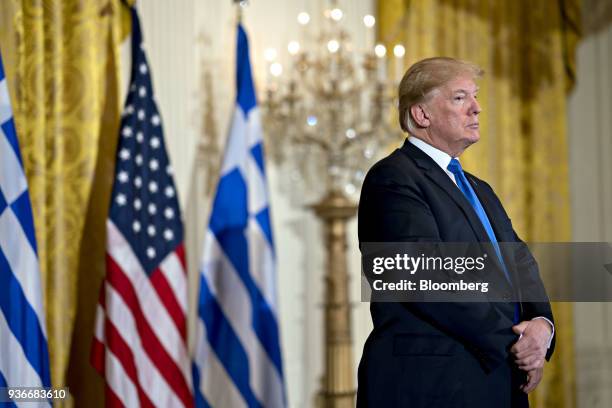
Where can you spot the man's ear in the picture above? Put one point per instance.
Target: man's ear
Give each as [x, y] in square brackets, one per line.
[420, 116]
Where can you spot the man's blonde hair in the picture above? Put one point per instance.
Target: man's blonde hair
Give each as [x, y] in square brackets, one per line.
[426, 76]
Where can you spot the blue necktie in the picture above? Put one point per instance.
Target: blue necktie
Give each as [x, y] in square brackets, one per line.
[462, 182]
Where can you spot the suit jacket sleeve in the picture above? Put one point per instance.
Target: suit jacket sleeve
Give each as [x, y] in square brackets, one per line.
[529, 278]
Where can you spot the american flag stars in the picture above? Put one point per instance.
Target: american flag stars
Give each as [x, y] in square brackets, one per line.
[123, 177]
[121, 200]
[153, 165]
[124, 154]
[145, 205]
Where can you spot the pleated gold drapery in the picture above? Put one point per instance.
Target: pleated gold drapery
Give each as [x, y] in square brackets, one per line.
[60, 61]
[527, 50]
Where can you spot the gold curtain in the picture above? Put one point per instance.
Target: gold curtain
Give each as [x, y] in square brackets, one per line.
[527, 50]
[60, 58]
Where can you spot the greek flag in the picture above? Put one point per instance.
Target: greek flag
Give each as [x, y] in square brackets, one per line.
[237, 361]
[24, 358]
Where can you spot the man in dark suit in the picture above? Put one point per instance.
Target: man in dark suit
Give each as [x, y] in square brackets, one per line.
[419, 354]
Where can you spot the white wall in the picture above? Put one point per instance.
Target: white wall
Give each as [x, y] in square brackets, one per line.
[185, 37]
[590, 133]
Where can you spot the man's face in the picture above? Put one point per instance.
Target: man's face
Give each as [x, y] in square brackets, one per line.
[453, 113]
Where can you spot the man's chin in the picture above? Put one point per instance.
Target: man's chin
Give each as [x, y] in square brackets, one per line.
[472, 138]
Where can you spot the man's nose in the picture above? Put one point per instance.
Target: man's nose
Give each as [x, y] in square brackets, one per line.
[476, 109]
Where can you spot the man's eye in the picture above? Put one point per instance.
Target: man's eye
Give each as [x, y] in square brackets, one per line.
[459, 98]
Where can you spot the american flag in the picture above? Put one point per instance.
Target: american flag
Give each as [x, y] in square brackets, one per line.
[140, 332]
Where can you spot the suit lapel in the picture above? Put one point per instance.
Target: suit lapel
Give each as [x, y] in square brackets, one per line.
[444, 182]
[439, 177]
[442, 179]
[488, 206]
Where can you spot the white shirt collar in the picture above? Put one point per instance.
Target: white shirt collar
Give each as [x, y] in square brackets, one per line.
[440, 157]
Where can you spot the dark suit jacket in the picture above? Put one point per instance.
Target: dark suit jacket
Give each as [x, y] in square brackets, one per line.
[439, 354]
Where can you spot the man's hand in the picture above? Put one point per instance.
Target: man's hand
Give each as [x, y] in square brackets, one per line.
[530, 349]
[533, 379]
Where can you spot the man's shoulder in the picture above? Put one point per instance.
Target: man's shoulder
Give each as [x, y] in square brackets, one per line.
[397, 164]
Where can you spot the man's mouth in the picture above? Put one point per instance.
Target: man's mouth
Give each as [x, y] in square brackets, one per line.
[473, 126]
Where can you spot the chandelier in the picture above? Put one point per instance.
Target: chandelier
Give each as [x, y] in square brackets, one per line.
[329, 111]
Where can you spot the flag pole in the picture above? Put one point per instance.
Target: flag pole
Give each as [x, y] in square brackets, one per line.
[239, 5]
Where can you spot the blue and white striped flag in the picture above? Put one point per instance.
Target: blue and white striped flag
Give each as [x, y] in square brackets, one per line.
[237, 361]
[24, 357]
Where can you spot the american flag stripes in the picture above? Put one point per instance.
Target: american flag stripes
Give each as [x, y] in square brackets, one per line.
[24, 356]
[140, 333]
[237, 360]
